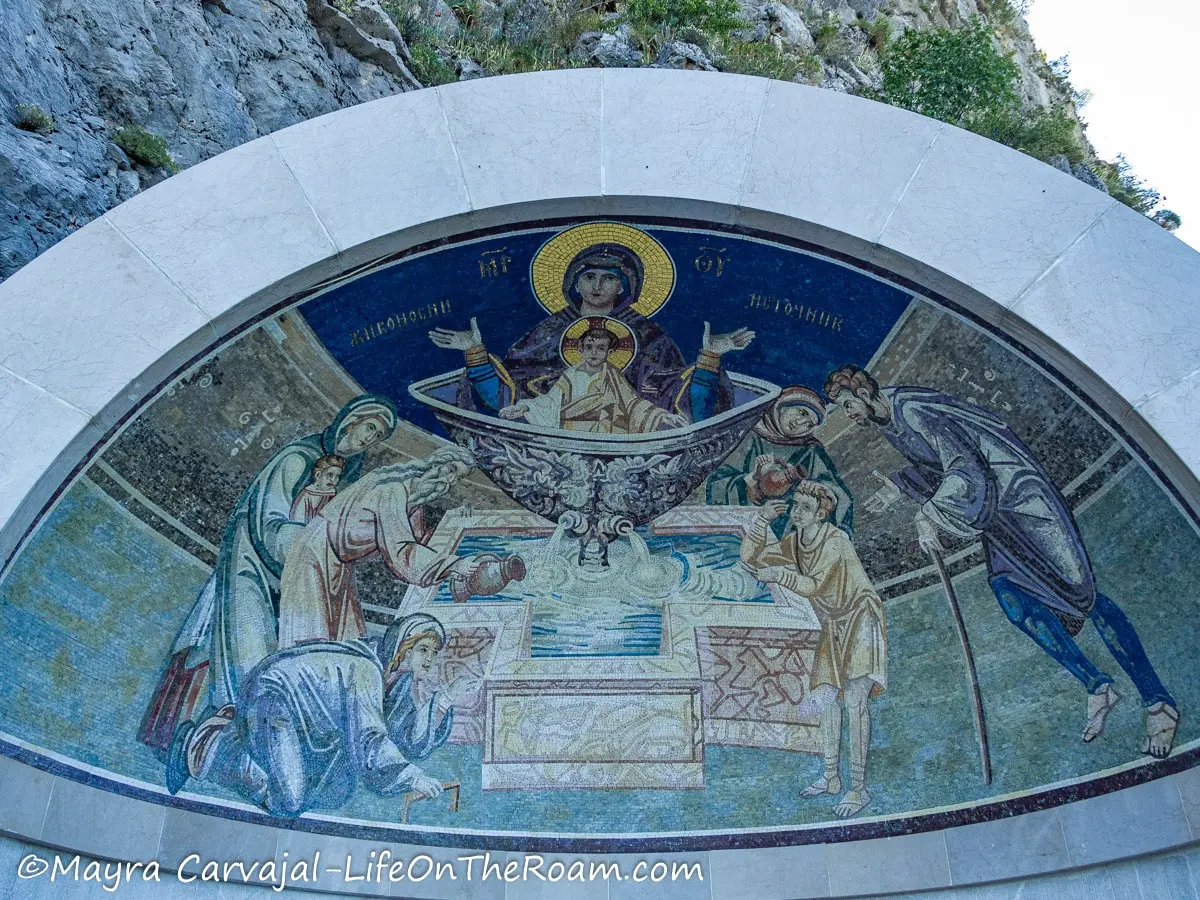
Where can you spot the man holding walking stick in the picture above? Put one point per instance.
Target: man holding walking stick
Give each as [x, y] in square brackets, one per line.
[974, 478]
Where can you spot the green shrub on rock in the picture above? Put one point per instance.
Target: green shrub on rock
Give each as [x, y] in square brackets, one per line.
[144, 147]
[428, 67]
[32, 118]
[1002, 13]
[878, 32]
[1041, 133]
[1167, 219]
[713, 16]
[824, 31]
[960, 77]
[1123, 185]
[957, 76]
[760, 58]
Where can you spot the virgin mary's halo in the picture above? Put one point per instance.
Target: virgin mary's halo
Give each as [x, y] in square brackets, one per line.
[550, 264]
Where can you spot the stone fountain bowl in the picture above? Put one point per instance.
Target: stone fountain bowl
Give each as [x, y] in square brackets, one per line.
[598, 485]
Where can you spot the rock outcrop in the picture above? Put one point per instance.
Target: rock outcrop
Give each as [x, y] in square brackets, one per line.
[610, 51]
[207, 75]
[202, 78]
[778, 22]
[682, 55]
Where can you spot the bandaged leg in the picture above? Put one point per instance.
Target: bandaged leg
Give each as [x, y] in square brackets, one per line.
[1038, 621]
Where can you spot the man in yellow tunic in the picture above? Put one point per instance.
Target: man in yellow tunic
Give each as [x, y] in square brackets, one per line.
[593, 395]
[816, 560]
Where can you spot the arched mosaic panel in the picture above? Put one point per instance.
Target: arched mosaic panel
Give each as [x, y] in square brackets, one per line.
[590, 533]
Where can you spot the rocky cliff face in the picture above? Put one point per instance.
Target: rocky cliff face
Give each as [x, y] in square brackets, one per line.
[204, 76]
[207, 75]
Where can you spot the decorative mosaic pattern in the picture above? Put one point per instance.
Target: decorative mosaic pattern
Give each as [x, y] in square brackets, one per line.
[633, 529]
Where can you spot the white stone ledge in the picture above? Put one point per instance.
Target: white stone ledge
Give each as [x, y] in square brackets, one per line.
[1106, 296]
[1150, 818]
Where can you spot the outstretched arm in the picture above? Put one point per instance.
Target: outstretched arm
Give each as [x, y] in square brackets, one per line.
[405, 558]
[481, 369]
[448, 339]
[703, 390]
[720, 344]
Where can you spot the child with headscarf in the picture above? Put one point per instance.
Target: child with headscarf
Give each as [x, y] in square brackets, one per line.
[418, 708]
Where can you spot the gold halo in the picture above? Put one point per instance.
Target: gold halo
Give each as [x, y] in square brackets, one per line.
[620, 355]
[549, 265]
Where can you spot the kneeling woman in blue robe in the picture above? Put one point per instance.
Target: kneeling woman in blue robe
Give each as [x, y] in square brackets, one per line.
[319, 717]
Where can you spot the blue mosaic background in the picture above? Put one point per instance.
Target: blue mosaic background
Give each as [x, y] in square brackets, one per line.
[505, 309]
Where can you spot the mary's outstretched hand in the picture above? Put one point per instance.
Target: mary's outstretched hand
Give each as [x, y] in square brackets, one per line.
[457, 340]
[723, 343]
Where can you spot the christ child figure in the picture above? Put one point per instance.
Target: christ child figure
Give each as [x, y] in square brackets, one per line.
[814, 559]
[593, 394]
[321, 487]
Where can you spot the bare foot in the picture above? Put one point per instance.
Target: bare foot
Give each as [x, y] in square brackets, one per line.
[1100, 704]
[1161, 721]
[854, 802]
[823, 785]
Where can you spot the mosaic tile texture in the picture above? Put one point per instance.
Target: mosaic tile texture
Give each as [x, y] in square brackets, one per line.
[623, 530]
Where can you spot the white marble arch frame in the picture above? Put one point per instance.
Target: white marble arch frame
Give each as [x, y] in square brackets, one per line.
[1096, 291]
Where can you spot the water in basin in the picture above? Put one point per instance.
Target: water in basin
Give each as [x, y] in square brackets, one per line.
[614, 610]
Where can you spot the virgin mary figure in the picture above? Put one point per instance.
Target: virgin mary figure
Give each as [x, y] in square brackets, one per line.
[234, 622]
[627, 277]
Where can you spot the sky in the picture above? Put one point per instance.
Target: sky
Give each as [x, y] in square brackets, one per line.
[1141, 62]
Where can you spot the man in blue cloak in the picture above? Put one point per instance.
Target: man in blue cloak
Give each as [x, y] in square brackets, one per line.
[975, 479]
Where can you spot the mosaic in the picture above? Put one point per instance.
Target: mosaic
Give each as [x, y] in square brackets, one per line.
[609, 530]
